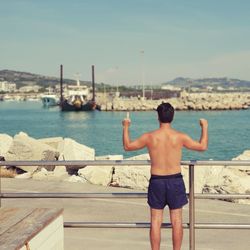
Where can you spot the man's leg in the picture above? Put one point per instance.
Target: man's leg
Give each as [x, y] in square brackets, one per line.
[177, 231]
[155, 229]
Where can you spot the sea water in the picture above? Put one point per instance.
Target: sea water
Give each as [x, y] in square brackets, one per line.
[229, 131]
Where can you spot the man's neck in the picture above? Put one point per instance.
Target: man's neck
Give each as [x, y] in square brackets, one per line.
[165, 125]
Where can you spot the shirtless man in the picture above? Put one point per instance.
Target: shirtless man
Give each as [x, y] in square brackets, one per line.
[166, 186]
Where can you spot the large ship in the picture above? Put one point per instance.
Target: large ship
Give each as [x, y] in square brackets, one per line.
[77, 97]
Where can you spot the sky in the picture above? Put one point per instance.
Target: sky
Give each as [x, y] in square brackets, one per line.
[128, 41]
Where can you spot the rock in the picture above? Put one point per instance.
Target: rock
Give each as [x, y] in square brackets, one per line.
[72, 150]
[60, 172]
[25, 148]
[74, 178]
[5, 144]
[109, 157]
[135, 177]
[226, 181]
[99, 175]
[245, 156]
[200, 175]
[51, 141]
[41, 175]
[139, 157]
[23, 176]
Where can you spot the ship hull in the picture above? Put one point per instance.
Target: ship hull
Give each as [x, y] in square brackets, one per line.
[88, 106]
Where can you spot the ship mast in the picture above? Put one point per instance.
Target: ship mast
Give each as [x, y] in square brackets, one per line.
[93, 82]
[61, 84]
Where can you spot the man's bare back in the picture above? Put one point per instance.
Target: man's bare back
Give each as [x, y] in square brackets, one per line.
[165, 146]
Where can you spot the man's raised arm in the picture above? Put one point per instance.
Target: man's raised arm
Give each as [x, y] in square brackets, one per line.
[203, 143]
[128, 145]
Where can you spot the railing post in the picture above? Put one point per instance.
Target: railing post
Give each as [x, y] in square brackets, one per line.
[0, 186]
[191, 209]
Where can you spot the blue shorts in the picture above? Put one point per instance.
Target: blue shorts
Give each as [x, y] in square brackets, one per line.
[167, 190]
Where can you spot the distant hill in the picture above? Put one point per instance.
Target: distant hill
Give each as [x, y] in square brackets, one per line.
[25, 78]
[204, 82]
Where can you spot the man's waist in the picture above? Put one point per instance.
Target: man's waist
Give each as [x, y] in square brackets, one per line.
[169, 176]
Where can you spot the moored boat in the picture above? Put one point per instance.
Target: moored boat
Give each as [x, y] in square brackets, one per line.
[78, 98]
[50, 100]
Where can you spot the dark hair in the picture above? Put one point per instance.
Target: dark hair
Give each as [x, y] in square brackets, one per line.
[165, 112]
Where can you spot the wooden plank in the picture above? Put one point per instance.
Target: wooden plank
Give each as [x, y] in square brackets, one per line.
[28, 227]
[11, 216]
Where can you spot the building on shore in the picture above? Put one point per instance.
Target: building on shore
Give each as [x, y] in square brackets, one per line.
[7, 87]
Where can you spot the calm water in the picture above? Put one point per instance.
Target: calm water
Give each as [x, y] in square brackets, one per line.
[229, 133]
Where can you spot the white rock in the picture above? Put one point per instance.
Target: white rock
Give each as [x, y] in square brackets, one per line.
[60, 169]
[41, 175]
[245, 156]
[74, 178]
[22, 134]
[109, 157]
[99, 175]
[25, 148]
[226, 180]
[139, 157]
[52, 141]
[135, 177]
[5, 143]
[23, 176]
[60, 172]
[72, 150]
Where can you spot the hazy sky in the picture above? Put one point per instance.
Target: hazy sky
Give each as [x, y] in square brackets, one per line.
[189, 38]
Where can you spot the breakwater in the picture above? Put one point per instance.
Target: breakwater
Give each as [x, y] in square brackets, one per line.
[187, 101]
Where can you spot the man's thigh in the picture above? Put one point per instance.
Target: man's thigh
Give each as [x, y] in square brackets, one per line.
[156, 215]
[176, 215]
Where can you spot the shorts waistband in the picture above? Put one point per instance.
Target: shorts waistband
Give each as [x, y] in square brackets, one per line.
[171, 176]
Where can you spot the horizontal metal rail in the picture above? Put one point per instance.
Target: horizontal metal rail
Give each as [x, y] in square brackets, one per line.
[111, 195]
[147, 225]
[222, 196]
[118, 162]
[114, 225]
[73, 195]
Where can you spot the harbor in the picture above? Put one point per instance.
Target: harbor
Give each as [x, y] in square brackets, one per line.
[124, 125]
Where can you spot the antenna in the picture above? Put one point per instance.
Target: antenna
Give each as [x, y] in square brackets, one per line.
[77, 77]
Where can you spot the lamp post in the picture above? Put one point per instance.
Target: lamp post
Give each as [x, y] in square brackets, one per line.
[142, 74]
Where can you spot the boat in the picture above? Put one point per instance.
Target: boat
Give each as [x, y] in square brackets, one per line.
[77, 97]
[50, 100]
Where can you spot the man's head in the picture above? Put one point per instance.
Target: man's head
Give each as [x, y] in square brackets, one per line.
[165, 112]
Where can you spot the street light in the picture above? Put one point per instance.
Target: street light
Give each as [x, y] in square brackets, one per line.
[142, 74]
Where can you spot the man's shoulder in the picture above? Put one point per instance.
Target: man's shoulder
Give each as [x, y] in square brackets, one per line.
[179, 133]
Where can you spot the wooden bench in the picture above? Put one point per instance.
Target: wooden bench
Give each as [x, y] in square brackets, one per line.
[31, 228]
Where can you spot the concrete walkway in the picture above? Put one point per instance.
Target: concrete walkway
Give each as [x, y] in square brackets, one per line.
[130, 210]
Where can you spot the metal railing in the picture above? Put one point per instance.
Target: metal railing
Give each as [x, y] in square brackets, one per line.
[191, 225]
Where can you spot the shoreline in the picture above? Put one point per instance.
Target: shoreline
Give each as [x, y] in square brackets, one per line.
[208, 179]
